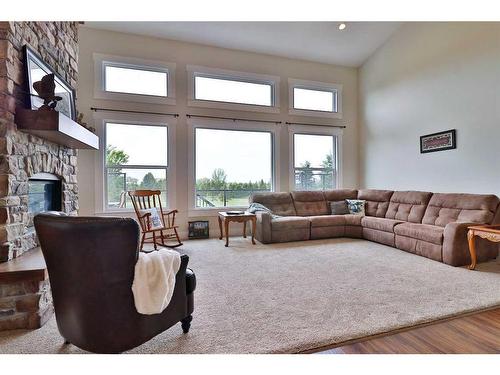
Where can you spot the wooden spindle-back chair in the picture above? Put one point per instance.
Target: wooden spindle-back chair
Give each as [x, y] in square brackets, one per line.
[147, 199]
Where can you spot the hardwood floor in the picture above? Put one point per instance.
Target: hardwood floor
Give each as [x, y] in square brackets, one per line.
[476, 333]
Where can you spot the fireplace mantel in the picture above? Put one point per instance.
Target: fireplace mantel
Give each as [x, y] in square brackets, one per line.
[56, 127]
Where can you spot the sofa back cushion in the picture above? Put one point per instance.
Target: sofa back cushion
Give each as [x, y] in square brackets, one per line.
[310, 203]
[340, 194]
[408, 205]
[446, 208]
[377, 201]
[279, 203]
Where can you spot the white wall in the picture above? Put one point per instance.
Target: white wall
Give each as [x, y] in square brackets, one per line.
[182, 54]
[427, 78]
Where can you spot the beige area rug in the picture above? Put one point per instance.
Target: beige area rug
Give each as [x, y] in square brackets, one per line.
[288, 298]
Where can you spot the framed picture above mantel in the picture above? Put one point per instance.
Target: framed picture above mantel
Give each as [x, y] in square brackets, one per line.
[445, 140]
[35, 69]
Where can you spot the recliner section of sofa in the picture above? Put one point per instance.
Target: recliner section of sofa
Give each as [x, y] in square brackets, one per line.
[422, 223]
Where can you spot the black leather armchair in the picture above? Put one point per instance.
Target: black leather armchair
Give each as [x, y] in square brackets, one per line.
[90, 261]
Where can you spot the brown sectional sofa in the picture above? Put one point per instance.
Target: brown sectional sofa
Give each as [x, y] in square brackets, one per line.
[433, 225]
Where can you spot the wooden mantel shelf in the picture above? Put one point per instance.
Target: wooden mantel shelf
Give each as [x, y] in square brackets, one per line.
[29, 266]
[56, 127]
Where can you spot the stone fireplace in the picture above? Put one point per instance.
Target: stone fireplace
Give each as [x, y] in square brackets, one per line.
[35, 174]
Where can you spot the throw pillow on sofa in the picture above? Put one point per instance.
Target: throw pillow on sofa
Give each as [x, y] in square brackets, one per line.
[356, 206]
[339, 208]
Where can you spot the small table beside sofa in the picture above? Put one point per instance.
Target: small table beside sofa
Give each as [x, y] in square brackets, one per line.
[429, 224]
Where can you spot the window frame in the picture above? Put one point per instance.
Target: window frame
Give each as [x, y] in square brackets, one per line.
[238, 125]
[316, 86]
[314, 130]
[101, 61]
[231, 75]
[101, 119]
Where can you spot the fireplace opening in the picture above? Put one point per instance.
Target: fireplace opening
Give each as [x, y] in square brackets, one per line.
[44, 193]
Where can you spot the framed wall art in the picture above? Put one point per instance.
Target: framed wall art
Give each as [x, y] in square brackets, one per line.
[441, 141]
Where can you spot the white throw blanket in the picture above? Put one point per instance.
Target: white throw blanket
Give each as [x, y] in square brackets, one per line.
[154, 280]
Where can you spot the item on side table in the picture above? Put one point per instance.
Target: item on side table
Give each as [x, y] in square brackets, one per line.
[94, 305]
[155, 230]
[356, 206]
[339, 208]
[225, 218]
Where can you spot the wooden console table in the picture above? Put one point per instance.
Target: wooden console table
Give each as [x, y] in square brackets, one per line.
[225, 218]
[488, 232]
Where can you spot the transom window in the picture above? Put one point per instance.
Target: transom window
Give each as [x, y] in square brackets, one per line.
[227, 89]
[136, 158]
[133, 80]
[314, 100]
[311, 98]
[227, 172]
[314, 161]
[232, 91]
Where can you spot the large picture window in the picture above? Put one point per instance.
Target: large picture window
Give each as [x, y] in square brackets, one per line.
[136, 158]
[227, 172]
[314, 161]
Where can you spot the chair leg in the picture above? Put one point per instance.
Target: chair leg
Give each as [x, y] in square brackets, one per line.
[142, 241]
[186, 323]
[154, 241]
[66, 342]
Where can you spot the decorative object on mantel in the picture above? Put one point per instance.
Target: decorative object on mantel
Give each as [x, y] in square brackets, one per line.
[441, 141]
[45, 88]
[79, 120]
[36, 70]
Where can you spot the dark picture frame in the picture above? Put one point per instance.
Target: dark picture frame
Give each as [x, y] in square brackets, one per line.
[198, 229]
[35, 68]
[445, 140]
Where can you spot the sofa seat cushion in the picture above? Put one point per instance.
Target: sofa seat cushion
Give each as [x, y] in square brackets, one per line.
[327, 220]
[424, 232]
[290, 222]
[379, 223]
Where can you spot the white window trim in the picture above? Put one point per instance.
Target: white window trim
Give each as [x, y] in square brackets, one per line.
[314, 130]
[100, 119]
[100, 61]
[314, 85]
[274, 81]
[193, 123]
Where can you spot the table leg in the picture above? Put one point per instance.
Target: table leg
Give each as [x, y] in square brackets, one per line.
[226, 228]
[472, 249]
[220, 227]
[244, 229]
[254, 225]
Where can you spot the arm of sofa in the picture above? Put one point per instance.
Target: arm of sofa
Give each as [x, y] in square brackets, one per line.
[456, 246]
[263, 226]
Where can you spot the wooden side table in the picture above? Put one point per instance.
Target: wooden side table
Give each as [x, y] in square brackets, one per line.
[225, 218]
[488, 232]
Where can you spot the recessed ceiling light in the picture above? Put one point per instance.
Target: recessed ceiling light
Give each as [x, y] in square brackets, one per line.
[342, 26]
